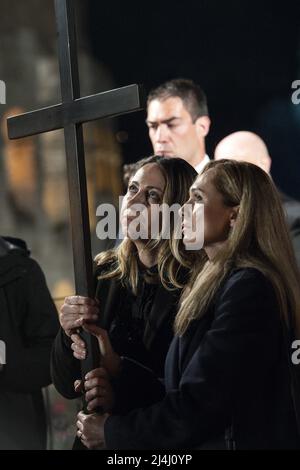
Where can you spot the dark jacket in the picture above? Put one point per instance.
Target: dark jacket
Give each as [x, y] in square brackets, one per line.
[113, 297]
[292, 212]
[28, 325]
[226, 380]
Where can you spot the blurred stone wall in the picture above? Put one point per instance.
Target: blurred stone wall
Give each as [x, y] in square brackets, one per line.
[34, 201]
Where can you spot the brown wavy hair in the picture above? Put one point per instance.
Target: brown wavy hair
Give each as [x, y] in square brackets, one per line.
[259, 239]
[179, 176]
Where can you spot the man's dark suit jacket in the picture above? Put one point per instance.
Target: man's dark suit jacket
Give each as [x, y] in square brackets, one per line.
[292, 212]
[226, 380]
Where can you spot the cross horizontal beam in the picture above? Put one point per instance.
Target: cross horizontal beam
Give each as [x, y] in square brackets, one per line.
[69, 115]
[107, 104]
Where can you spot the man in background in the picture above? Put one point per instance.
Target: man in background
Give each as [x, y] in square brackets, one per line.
[178, 122]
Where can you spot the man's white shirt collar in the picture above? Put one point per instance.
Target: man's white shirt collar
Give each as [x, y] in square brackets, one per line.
[202, 164]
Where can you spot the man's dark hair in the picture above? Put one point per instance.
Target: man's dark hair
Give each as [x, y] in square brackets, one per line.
[192, 95]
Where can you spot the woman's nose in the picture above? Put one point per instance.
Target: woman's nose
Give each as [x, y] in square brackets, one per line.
[184, 207]
[138, 198]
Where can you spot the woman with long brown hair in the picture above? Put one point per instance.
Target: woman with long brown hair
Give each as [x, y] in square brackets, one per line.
[228, 372]
[137, 284]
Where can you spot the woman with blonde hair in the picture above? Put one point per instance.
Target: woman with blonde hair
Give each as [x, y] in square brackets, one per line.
[228, 372]
[137, 284]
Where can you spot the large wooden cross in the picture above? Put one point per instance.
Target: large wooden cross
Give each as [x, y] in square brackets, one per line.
[69, 115]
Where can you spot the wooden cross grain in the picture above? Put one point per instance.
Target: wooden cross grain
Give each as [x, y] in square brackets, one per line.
[69, 115]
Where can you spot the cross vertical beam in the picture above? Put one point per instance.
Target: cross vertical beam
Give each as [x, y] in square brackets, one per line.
[70, 90]
[69, 115]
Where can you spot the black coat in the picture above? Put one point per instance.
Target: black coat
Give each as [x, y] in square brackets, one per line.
[292, 212]
[226, 380]
[28, 325]
[157, 334]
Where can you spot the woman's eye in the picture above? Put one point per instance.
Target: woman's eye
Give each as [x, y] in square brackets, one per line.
[198, 197]
[154, 196]
[132, 188]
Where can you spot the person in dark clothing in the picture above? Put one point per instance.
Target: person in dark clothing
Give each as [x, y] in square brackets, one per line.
[28, 326]
[228, 373]
[133, 282]
[292, 212]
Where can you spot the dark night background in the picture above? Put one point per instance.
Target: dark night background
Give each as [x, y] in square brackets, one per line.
[245, 54]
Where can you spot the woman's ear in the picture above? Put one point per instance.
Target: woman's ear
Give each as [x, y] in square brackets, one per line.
[233, 215]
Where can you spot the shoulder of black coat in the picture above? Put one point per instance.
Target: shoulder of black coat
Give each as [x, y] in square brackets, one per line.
[10, 245]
